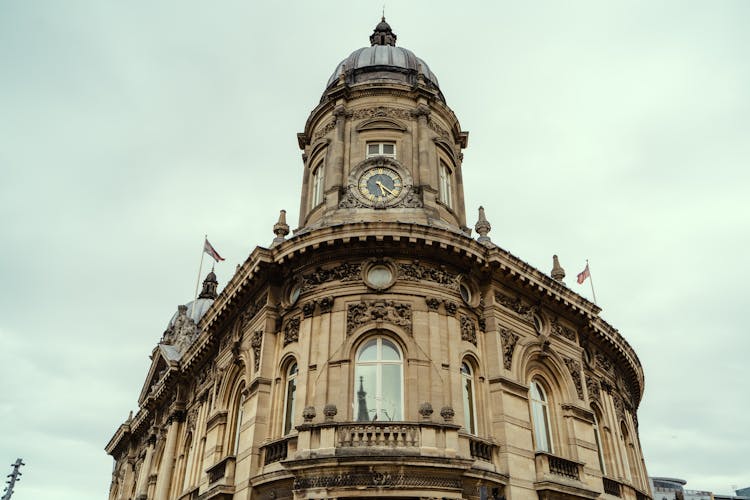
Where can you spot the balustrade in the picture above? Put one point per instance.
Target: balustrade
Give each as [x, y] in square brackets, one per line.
[612, 487]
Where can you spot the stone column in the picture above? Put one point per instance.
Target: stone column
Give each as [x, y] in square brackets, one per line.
[127, 482]
[423, 175]
[141, 486]
[167, 460]
[336, 163]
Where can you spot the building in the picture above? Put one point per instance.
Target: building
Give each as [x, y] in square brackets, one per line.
[382, 351]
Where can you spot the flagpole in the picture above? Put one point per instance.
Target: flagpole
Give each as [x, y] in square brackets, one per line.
[200, 269]
[591, 281]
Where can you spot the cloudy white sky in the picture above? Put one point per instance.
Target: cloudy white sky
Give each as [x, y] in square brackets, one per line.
[612, 131]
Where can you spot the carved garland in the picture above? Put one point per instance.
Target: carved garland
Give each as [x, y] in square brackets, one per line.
[468, 330]
[378, 310]
[509, 344]
[256, 341]
[516, 305]
[374, 479]
[416, 272]
[291, 331]
[563, 331]
[342, 272]
[574, 367]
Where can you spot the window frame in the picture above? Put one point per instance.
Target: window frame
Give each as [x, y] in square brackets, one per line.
[540, 406]
[380, 145]
[289, 403]
[318, 185]
[468, 397]
[379, 363]
[445, 184]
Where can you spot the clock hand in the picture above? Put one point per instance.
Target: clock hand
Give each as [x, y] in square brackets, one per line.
[382, 187]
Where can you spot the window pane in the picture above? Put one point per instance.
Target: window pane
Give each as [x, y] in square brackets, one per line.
[390, 353]
[291, 391]
[369, 351]
[372, 149]
[364, 393]
[391, 393]
[388, 149]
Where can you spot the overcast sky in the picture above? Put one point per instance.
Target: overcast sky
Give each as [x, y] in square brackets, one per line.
[617, 132]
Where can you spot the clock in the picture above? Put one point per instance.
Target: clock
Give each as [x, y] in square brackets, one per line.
[380, 184]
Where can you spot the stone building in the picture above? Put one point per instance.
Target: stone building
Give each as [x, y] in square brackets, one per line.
[382, 351]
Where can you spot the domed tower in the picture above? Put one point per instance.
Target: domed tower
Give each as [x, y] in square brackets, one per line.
[381, 351]
[383, 145]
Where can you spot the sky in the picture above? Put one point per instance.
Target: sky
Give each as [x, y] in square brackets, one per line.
[617, 132]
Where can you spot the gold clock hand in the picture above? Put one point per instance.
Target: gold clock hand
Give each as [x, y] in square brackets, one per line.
[383, 189]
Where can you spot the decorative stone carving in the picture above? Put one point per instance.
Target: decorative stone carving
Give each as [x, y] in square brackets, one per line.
[447, 413]
[482, 324]
[516, 305]
[382, 111]
[432, 303]
[343, 272]
[468, 330]
[324, 130]
[251, 310]
[256, 341]
[308, 308]
[619, 406]
[604, 363]
[451, 308]
[374, 479]
[593, 388]
[606, 386]
[417, 272]
[563, 331]
[291, 331]
[192, 417]
[438, 129]
[574, 367]
[411, 200]
[308, 414]
[425, 410]
[325, 304]
[350, 200]
[330, 411]
[509, 344]
[378, 310]
[182, 332]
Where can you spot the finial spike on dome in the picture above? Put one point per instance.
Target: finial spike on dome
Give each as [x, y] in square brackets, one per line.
[557, 273]
[483, 227]
[280, 229]
[383, 34]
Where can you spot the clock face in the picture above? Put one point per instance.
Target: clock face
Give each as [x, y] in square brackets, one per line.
[380, 184]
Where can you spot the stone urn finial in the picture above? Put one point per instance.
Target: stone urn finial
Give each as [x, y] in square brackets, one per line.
[308, 414]
[425, 409]
[281, 228]
[447, 413]
[330, 411]
[483, 227]
[557, 273]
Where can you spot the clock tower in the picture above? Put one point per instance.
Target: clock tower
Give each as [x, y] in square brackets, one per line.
[383, 145]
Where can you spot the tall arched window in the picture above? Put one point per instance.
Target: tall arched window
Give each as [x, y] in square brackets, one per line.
[290, 397]
[467, 389]
[631, 462]
[378, 388]
[446, 187]
[238, 410]
[317, 185]
[540, 417]
[599, 443]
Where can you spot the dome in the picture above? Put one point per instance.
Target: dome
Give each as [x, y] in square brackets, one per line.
[195, 310]
[382, 61]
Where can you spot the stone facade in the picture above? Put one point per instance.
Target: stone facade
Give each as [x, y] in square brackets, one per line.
[381, 351]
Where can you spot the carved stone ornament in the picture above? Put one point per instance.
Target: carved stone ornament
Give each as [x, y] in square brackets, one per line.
[482, 324]
[354, 198]
[382, 111]
[451, 308]
[256, 341]
[182, 332]
[308, 308]
[308, 414]
[468, 330]
[413, 199]
[374, 479]
[330, 411]
[509, 344]
[343, 272]
[291, 331]
[425, 410]
[604, 363]
[325, 304]
[619, 406]
[432, 303]
[192, 417]
[593, 388]
[447, 413]
[574, 367]
[563, 331]
[251, 310]
[324, 130]
[378, 310]
[516, 305]
[417, 272]
[438, 129]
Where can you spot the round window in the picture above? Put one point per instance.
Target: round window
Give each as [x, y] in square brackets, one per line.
[465, 292]
[379, 276]
[294, 293]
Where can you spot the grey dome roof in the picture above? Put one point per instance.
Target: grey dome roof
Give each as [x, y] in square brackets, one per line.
[195, 310]
[382, 62]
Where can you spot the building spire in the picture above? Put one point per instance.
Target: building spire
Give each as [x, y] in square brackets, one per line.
[209, 286]
[483, 227]
[383, 34]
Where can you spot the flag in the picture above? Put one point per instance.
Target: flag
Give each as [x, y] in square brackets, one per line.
[211, 251]
[583, 274]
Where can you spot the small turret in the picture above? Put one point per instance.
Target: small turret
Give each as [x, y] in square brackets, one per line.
[557, 273]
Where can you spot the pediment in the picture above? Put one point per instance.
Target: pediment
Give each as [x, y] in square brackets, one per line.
[381, 123]
[163, 358]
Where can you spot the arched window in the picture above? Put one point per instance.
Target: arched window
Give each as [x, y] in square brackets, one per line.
[290, 397]
[540, 417]
[317, 185]
[599, 443]
[631, 464]
[446, 183]
[238, 410]
[378, 388]
[467, 389]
